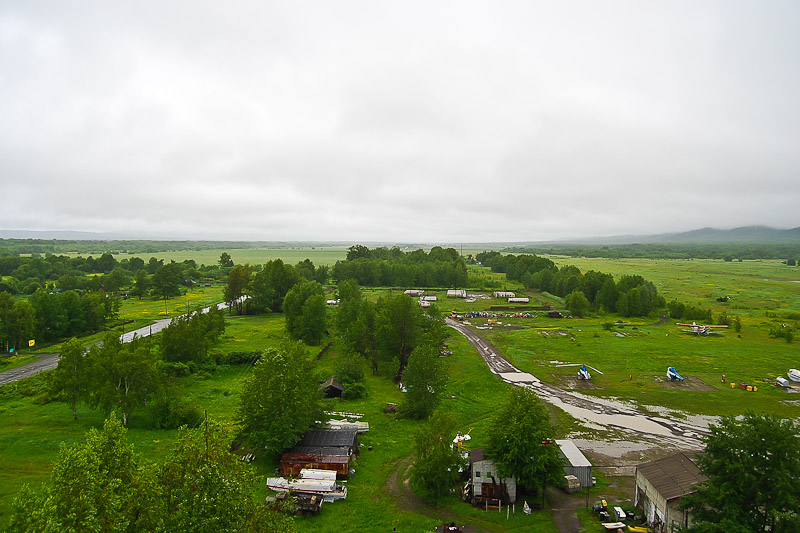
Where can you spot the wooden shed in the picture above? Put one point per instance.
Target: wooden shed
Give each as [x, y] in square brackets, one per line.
[660, 485]
[332, 388]
[577, 463]
[292, 463]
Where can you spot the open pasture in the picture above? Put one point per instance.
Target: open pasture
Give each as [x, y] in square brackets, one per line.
[753, 286]
[254, 256]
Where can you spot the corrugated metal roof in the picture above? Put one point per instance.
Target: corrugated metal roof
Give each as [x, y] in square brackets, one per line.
[672, 476]
[572, 453]
[322, 450]
[330, 437]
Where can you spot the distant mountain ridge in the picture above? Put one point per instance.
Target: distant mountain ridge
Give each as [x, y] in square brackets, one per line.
[744, 234]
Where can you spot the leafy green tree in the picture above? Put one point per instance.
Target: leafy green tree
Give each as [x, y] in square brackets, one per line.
[225, 260]
[577, 303]
[123, 376]
[304, 307]
[141, 283]
[280, 400]
[520, 441]
[437, 462]
[424, 378]
[205, 487]
[270, 285]
[188, 338]
[167, 281]
[237, 286]
[96, 485]
[22, 324]
[399, 326]
[68, 381]
[101, 485]
[6, 308]
[752, 465]
[51, 318]
[355, 322]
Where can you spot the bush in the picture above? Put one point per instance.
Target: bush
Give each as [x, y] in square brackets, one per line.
[354, 391]
[169, 413]
[237, 358]
[177, 370]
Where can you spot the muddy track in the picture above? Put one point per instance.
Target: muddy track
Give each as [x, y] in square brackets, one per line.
[397, 486]
[611, 414]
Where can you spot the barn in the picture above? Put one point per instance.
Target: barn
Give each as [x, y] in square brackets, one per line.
[326, 449]
[660, 485]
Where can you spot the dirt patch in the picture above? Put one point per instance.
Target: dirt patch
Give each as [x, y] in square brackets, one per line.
[690, 383]
[397, 485]
[578, 384]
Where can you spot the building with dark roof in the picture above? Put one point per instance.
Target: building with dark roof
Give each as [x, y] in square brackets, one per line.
[660, 485]
[332, 388]
[327, 449]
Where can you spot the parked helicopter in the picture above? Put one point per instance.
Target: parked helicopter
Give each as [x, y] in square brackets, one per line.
[673, 375]
[699, 329]
[583, 373]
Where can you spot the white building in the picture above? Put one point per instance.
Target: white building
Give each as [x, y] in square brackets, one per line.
[456, 293]
[486, 483]
[520, 300]
[414, 292]
[504, 294]
[578, 465]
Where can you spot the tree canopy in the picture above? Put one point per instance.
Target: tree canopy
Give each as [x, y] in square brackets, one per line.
[520, 440]
[280, 400]
[752, 465]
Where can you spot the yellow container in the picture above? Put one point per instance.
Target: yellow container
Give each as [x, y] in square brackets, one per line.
[733, 385]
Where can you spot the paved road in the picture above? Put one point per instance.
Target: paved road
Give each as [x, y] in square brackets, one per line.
[49, 361]
[608, 413]
[46, 361]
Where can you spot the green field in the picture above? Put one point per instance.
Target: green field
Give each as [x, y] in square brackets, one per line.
[254, 256]
[633, 358]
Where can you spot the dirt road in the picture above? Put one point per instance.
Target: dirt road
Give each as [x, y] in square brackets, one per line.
[607, 413]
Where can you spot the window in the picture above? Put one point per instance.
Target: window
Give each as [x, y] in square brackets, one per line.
[477, 474]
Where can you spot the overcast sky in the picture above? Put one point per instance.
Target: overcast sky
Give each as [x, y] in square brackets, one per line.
[403, 121]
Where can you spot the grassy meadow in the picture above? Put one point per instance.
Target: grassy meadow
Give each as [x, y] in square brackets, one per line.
[633, 358]
[327, 255]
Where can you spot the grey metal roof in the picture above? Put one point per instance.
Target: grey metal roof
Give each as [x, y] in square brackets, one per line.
[572, 453]
[672, 476]
[330, 437]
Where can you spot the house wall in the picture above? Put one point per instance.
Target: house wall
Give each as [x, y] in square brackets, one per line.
[583, 473]
[486, 469]
[648, 498]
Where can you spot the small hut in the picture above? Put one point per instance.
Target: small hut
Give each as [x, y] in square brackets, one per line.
[332, 388]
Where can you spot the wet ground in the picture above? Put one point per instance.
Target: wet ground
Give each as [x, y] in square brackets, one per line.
[631, 434]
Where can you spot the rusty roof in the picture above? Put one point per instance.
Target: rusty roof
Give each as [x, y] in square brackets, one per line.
[331, 382]
[672, 476]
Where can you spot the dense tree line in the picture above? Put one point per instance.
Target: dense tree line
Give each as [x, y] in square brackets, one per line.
[50, 315]
[96, 247]
[630, 296]
[24, 275]
[394, 332]
[441, 267]
[725, 251]
[124, 377]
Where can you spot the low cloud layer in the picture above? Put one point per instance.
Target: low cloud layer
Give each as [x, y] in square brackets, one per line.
[417, 121]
